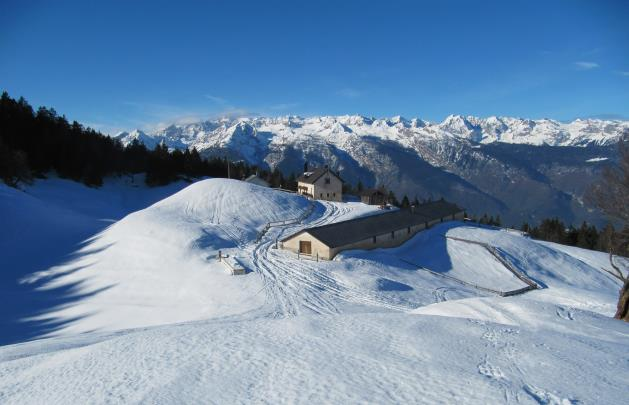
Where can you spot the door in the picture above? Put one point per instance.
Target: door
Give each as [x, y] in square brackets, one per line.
[305, 247]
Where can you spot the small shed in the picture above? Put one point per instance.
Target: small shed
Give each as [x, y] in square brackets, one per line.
[373, 196]
[257, 180]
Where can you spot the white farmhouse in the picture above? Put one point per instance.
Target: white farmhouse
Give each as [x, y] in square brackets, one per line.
[321, 184]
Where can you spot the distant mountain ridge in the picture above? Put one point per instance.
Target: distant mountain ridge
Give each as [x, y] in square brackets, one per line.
[522, 169]
[580, 132]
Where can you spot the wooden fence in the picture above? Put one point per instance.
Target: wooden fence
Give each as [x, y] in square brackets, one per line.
[530, 284]
[285, 222]
[495, 252]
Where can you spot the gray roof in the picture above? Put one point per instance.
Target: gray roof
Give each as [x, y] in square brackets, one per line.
[311, 176]
[354, 230]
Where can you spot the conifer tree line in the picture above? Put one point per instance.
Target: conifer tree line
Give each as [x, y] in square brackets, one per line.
[33, 143]
[586, 236]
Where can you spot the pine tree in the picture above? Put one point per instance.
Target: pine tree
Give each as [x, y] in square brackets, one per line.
[392, 199]
[405, 202]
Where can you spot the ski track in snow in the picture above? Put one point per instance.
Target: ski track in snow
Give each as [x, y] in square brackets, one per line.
[293, 285]
[480, 349]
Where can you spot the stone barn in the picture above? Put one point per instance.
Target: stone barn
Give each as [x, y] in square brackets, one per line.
[321, 184]
[376, 231]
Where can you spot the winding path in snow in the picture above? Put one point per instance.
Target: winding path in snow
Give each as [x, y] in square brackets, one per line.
[293, 285]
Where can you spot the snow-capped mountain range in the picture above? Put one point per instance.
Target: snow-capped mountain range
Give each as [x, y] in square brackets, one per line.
[522, 169]
[212, 133]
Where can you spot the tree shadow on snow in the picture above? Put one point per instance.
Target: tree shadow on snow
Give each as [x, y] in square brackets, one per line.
[26, 297]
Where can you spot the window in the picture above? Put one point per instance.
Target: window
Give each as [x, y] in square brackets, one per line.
[392, 234]
[328, 195]
[441, 219]
[321, 195]
[334, 195]
[374, 239]
[327, 180]
[408, 230]
[305, 247]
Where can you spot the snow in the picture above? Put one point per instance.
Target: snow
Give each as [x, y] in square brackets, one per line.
[44, 226]
[468, 262]
[252, 138]
[158, 264]
[355, 358]
[597, 159]
[141, 311]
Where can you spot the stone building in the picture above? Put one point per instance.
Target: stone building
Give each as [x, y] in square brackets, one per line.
[376, 231]
[321, 184]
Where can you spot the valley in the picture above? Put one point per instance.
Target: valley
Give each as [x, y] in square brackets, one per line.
[523, 170]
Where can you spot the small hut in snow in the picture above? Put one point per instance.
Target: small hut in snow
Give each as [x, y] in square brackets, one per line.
[257, 180]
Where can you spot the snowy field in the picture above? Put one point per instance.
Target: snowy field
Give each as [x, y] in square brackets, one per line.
[123, 286]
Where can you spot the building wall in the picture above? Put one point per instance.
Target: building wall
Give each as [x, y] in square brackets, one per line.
[329, 192]
[306, 189]
[316, 245]
[321, 191]
[382, 240]
[373, 199]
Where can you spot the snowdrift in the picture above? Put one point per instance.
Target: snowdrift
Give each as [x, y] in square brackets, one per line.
[155, 265]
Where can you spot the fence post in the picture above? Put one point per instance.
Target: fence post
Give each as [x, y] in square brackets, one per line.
[220, 257]
[297, 255]
[317, 255]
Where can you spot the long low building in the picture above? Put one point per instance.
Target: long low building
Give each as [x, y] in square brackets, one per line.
[376, 231]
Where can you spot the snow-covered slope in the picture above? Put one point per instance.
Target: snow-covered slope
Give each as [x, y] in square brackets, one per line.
[158, 264]
[388, 358]
[369, 326]
[44, 226]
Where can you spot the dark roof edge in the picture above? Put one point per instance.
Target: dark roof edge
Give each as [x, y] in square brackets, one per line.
[311, 179]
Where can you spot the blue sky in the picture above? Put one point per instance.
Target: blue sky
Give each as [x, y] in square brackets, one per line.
[123, 65]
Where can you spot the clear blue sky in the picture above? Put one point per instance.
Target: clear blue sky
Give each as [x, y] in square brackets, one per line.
[121, 65]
